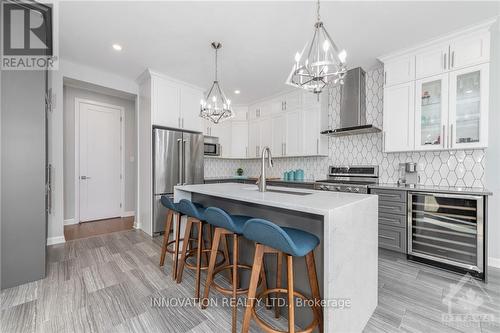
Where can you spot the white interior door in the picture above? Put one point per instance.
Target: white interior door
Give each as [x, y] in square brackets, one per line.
[100, 161]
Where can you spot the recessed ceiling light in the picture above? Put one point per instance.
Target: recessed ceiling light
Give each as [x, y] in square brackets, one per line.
[117, 47]
[237, 92]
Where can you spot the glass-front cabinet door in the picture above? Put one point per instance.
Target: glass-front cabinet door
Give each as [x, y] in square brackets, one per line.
[469, 107]
[431, 113]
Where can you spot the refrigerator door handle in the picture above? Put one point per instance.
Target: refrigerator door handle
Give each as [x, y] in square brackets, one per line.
[180, 159]
[184, 162]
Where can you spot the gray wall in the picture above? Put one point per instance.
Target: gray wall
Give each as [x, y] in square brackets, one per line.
[23, 216]
[70, 93]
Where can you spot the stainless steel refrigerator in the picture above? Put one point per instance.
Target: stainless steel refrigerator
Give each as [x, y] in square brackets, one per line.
[177, 160]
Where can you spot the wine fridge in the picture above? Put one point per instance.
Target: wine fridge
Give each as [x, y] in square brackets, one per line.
[447, 230]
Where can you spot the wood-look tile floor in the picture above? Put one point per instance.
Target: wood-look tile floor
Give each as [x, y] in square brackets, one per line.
[106, 283]
[94, 228]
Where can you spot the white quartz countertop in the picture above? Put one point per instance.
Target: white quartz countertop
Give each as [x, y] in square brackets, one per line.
[315, 202]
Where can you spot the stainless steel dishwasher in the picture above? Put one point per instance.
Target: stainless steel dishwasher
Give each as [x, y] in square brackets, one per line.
[447, 230]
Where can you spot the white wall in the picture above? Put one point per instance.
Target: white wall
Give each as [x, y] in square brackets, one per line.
[129, 146]
[68, 69]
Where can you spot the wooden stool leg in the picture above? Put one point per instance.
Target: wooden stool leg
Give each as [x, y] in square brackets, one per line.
[291, 307]
[168, 225]
[187, 234]
[254, 280]
[211, 266]
[227, 261]
[176, 245]
[235, 282]
[313, 282]
[198, 260]
[264, 284]
[279, 270]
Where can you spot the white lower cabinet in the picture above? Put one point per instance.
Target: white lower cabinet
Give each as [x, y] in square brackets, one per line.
[399, 112]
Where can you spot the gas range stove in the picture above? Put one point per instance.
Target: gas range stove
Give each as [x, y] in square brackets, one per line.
[355, 179]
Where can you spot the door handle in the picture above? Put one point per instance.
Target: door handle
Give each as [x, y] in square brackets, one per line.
[452, 59]
[85, 177]
[184, 162]
[179, 154]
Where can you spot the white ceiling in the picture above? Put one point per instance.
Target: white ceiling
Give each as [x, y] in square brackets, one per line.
[259, 38]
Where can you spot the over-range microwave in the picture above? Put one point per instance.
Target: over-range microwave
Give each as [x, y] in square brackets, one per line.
[212, 149]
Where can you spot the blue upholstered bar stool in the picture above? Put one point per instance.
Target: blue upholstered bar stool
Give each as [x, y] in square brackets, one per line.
[195, 216]
[172, 209]
[227, 225]
[290, 242]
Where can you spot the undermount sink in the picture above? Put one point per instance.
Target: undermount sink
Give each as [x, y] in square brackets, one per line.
[289, 192]
[279, 191]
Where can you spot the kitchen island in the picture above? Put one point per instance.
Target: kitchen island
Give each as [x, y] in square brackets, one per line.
[347, 258]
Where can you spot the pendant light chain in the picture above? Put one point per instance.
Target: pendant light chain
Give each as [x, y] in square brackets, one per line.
[216, 52]
[317, 11]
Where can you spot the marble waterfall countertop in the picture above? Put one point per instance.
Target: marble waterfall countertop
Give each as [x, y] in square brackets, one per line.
[309, 201]
[347, 225]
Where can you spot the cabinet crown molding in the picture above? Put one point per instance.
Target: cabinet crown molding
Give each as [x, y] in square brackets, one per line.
[149, 73]
[482, 27]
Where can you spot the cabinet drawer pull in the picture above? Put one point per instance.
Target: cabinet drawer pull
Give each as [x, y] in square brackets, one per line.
[388, 207]
[387, 237]
[452, 59]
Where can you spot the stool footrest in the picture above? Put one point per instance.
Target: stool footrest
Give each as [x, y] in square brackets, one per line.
[229, 291]
[193, 253]
[269, 329]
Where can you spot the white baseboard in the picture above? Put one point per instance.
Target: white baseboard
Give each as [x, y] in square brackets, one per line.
[128, 214]
[70, 221]
[494, 262]
[55, 240]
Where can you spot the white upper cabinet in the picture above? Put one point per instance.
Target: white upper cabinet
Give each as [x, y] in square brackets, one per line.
[279, 134]
[266, 133]
[165, 102]
[293, 143]
[468, 113]
[449, 94]
[239, 139]
[399, 106]
[174, 104]
[431, 61]
[431, 113]
[190, 109]
[240, 113]
[470, 50]
[399, 70]
[291, 101]
[253, 138]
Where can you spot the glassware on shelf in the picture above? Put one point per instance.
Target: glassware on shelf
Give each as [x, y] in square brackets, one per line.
[468, 104]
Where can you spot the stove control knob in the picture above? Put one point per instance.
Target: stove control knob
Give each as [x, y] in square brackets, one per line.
[349, 189]
[356, 190]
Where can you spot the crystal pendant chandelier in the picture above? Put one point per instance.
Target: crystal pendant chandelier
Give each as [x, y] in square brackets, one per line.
[216, 107]
[323, 64]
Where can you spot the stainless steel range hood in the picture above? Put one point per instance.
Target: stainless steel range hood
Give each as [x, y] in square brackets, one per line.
[353, 106]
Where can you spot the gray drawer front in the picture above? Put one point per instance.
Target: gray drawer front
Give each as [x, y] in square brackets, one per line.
[392, 207]
[389, 195]
[392, 220]
[392, 238]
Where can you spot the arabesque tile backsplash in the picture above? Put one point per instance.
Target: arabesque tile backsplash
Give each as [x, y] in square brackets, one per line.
[446, 168]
